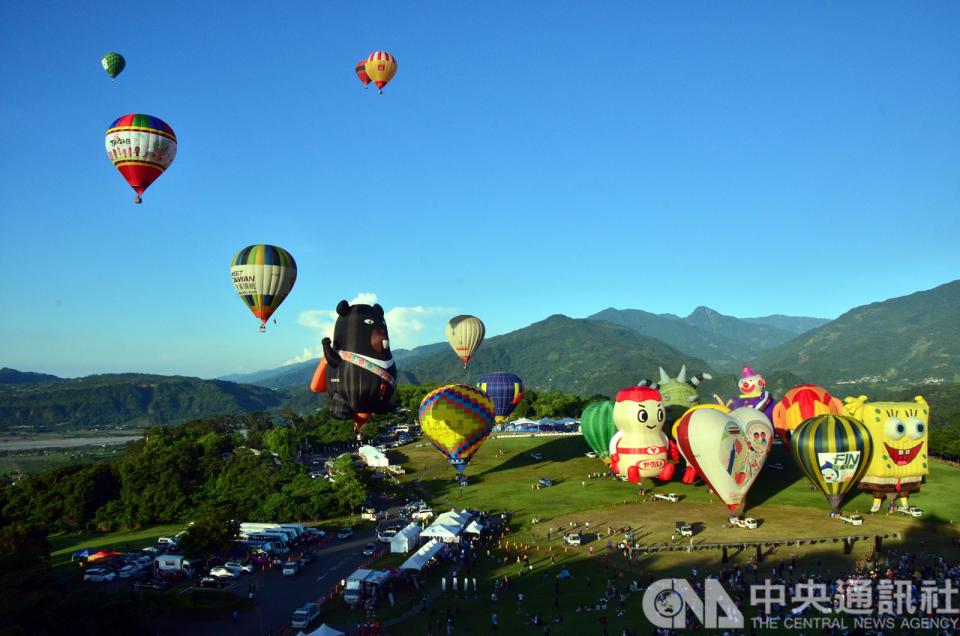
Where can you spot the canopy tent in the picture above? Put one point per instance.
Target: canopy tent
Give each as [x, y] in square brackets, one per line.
[82, 554]
[523, 422]
[422, 556]
[447, 534]
[473, 527]
[323, 630]
[406, 539]
[567, 420]
[373, 457]
[453, 518]
[102, 554]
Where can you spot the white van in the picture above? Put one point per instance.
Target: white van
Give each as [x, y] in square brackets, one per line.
[305, 615]
[671, 497]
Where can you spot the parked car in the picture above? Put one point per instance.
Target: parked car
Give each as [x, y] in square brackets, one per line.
[129, 570]
[385, 535]
[545, 482]
[912, 511]
[315, 532]
[99, 575]
[305, 615]
[685, 529]
[291, 568]
[345, 533]
[853, 520]
[536, 456]
[220, 572]
[748, 522]
[572, 539]
[776, 466]
[212, 581]
[152, 584]
[242, 568]
[370, 549]
[671, 497]
[591, 454]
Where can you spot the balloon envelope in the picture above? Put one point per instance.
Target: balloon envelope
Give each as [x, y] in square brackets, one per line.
[596, 424]
[263, 276]
[381, 67]
[801, 403]
[456, 419]
[728, 450]
[833, 452]
[361, 70]
[465, 333]
[113, 63]
[506, 391]
[141, 147]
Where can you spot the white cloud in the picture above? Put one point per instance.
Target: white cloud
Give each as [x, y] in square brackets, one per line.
[405, 324]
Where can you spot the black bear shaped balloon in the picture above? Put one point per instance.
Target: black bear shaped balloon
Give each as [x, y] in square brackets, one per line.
[357, 369]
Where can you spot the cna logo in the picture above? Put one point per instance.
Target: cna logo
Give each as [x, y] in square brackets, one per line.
[667, 602]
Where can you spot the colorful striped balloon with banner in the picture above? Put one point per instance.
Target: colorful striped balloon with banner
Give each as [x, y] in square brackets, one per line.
[141, 147]
[833, 452]
[456, 419]
[263, 275]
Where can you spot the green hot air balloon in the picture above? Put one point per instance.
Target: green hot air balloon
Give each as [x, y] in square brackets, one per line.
[113, 64]
[598, 428]
[833, 452]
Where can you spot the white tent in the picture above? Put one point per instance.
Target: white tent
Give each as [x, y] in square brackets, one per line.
[453, 518]
[523, 422]
[447, 534]
[473, 527]
[424, 554]
[567, 420]
[323, 630]
[406, 540]
[373, 457]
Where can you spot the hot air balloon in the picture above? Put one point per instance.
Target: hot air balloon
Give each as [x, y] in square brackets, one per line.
[690, 473]
[113, 64]
[456, 419]
[141, 147]
[263, 276]
[678, 393]
[381, 67]
[361, 71]
[727, 450]
[465, 333]
[900, 433]
[801, 403]
[357, 367]
[833, 452]
[506, 391]
[596, 424]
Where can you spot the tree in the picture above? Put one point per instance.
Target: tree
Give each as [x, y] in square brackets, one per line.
[23, 545]
[283, 441]
[213, 532]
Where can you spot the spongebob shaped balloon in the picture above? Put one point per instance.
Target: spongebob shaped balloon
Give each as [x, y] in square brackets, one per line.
[900, 433]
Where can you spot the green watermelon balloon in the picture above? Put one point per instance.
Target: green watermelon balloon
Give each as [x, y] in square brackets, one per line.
[598, 428]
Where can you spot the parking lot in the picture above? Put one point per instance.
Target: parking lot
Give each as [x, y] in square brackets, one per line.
[277, 596]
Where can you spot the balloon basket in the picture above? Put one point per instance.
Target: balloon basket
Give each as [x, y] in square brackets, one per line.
[263, 329]
[137, 199]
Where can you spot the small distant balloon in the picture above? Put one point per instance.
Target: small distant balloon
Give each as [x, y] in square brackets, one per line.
[465, 333]
[361, 71]
[113, 63]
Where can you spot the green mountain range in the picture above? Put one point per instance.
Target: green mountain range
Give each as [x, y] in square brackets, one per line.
[902, 341]
[725, 342]
[125, 400]
[794, 324]
[560, 353]
[12, 376]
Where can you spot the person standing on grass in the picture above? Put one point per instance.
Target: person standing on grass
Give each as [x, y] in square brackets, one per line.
[493, 621]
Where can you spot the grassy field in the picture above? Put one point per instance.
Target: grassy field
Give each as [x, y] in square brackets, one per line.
[501, 475]
[32, 462]
[64, 545]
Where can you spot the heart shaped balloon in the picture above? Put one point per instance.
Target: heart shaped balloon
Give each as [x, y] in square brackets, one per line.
[727, 449]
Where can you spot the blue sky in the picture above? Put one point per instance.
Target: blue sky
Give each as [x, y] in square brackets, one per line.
[528, 159]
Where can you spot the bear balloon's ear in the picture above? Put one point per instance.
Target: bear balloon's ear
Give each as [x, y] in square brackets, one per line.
[377, 309]
[343, 308]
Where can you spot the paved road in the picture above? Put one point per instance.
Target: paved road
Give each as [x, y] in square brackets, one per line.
[277, 596]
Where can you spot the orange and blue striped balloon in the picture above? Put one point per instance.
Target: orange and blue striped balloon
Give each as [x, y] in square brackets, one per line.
[456, 419]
